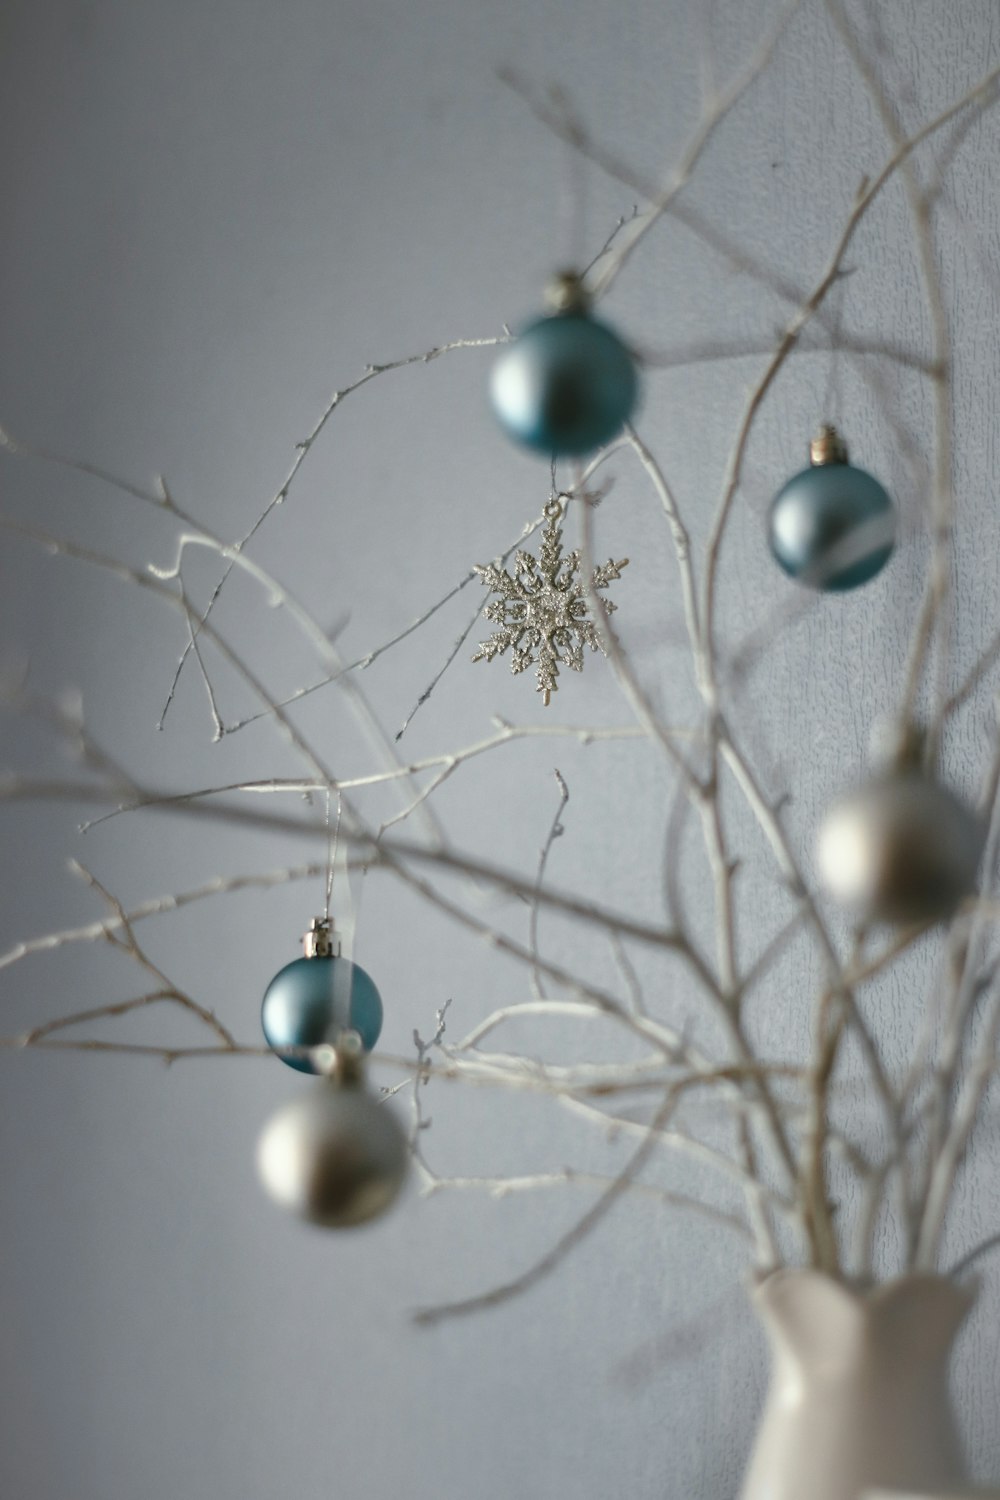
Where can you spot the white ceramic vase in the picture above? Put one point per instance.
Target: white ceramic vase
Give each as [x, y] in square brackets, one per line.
[859, 1388]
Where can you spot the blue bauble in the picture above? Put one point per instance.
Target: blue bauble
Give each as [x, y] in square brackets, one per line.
[832, 527]
[312, 1000]
[567, 385]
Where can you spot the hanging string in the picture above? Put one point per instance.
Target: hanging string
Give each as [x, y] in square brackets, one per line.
[574, 185]
[332, 843]
[831, 408]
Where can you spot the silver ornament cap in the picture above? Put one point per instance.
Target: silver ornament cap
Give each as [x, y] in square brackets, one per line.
[901, 848]
[567, 293]
[827, 447]
[336, 1157]
[321, 940]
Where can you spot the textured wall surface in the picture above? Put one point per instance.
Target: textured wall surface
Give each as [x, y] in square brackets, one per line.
[213, 216]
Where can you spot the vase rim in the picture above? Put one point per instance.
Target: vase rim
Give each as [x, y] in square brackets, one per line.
[865, 1294]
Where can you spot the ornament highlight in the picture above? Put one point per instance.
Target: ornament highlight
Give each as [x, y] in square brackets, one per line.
[567, 384]
[315, 999]
[542, 608]
[337, 1157]
[832, 526]
[901, 848]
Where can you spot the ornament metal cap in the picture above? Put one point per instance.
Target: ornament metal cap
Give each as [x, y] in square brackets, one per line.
[321, 941]
[827, 447]
[899, 745]
[344, 1061]
[566, 293]
[912, 747]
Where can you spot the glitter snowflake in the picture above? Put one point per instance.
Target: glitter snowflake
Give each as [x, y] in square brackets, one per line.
[542, 610]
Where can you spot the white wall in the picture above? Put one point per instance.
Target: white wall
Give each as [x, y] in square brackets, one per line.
[213, 216]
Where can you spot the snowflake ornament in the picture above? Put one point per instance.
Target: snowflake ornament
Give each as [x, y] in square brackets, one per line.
[542, 608]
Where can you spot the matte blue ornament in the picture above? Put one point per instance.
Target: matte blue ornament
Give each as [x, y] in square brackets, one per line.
[833, 526]
[314, 1000]
[567, 384]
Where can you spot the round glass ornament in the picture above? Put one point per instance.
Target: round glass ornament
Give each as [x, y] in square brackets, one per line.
[832, 526]
[316, 999]
[901, 848]
[567, 384]
[337, 1157]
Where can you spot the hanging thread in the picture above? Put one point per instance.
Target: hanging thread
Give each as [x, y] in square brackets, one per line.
[332, 844]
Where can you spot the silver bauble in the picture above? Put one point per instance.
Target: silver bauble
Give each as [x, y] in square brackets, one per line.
[336, 1157]
[902, 848]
